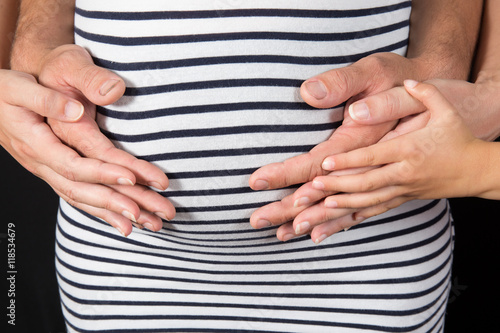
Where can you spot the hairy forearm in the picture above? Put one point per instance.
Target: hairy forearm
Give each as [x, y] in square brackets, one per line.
[443, 36]
[483, 113]
[488, 52]
[8, 18]
[43, 25]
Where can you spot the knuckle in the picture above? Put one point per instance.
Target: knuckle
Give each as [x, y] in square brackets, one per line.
[109, 200]
[67, 173]
[368, 158]
[23, 149]
[429, 91]
[368, 185]
[71, 194]
[377, 63]
[89, 75]
[34, 169]
[391, 104]
[338, 80]
[48, 101]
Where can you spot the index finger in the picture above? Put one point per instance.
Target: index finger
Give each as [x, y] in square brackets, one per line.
[304, 168]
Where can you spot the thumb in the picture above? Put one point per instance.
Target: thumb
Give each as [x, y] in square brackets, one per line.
[72, 65]
[336, 86]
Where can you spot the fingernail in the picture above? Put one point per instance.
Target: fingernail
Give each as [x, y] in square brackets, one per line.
[125, 181]
[331, 204]
[360, 218]
[261, 185]
[410, 83]
[316, 89]
[263, 224]
[345, 229]
[137, 225]
[73, 111]
[302, 228]
[156, 186]
[149, 226]
[162, 215]
[328, 165]
[359, 111]
[107, 87]
[320, 239]
[129, 216]
[287, 237]
[318, 185]
[301, 202]
[121, 231]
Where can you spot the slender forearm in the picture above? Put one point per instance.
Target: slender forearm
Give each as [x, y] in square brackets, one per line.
[43, 25]
[481, 167]
[8, 18]
[443, 36]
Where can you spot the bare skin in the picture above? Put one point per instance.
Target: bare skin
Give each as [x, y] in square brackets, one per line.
[37, 40]
[433, 52]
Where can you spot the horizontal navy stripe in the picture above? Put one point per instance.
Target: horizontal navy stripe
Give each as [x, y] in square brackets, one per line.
[394, 313]
[235, 319]
[206, 108]
[252, 271]
[197, 193]
[440, 284]
[270, 262]
[204, 14]
[394, 281]
[218, 131]
[277, 243]
[254, 35]
[278, 59]
[261, 82]
[199, 209]
[210, 173]
[226, 153]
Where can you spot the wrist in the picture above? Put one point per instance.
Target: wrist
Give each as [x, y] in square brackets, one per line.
[487, 91]
[486, 179]
[432, 66]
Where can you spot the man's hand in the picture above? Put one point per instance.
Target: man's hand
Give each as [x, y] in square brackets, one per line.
[368, 76]
[107, 182]
[442, 41]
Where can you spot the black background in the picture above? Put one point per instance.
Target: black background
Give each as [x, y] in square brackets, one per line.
[31, 205]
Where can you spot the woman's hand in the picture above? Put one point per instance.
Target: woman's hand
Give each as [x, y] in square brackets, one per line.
[443, 159]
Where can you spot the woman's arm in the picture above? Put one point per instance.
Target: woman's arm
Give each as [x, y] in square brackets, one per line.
[441, 160]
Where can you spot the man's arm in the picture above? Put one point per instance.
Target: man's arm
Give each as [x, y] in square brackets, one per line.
[441, 45]
[8, 19]
[80, 163]
[43, 25]
[488, 52]
[443, 36]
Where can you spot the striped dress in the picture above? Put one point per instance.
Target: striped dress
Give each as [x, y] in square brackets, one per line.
[213, 94]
